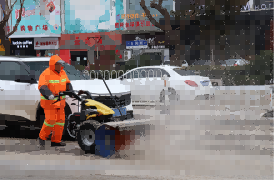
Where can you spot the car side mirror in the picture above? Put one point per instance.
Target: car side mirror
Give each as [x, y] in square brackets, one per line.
[32, 77]
[33, 80]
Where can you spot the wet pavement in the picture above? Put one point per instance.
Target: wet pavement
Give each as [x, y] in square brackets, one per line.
[186, 140]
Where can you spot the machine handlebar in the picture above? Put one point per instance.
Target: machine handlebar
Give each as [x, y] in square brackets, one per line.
[72, 94]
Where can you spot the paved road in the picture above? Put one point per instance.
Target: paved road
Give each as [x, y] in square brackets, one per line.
[186, 140]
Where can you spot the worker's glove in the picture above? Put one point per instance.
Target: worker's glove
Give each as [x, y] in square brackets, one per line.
[51, 97]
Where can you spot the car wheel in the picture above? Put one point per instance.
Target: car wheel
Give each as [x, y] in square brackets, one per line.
[173, 96]
[162, 96]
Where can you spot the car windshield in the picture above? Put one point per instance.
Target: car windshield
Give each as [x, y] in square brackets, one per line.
[40, 66]
[183, 72]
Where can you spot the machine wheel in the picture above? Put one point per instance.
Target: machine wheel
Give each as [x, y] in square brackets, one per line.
[86, 135]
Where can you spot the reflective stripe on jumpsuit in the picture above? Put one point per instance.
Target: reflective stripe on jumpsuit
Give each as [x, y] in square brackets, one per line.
[54, 120]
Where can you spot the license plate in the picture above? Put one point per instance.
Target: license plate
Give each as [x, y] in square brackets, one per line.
[117, 112]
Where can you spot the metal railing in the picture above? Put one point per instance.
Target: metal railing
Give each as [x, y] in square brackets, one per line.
[94, 74]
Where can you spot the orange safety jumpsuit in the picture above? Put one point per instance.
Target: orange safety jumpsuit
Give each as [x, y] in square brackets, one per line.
[54, 113]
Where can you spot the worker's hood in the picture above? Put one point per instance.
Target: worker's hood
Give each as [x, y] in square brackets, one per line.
[98, 86]
[53, 60]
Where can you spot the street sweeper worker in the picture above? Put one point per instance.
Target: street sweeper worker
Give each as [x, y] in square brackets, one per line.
[52, 81]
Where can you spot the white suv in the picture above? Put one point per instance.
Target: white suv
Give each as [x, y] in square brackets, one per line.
[20, 97]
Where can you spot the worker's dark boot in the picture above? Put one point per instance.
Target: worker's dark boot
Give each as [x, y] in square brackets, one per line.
[41, 142]
[58, 144]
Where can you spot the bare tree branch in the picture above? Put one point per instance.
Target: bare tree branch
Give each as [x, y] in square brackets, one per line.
[2, 9]
[7, 13]
[19, 19]
[164, 12]
[160, 2]
[159, 7]
[149, 16]
[11, 8]
[5, 20]
[7, 4]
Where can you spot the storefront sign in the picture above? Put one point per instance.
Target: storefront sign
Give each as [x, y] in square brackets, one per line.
[245, 7]
[21, 44]
[136, 44]
[149, 40]
[157, 47]
[257, 7]
[29, 28]
[137, 19]
[46, 43]
[133, 16]
[157, 40]
[134, 24]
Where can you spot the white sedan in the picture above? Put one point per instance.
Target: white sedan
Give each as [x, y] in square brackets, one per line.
[152, 83]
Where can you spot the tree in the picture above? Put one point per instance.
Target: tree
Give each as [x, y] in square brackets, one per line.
[197, 25]
[4, 32]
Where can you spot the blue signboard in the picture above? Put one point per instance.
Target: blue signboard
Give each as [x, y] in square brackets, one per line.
[136, 44]
[142, 43]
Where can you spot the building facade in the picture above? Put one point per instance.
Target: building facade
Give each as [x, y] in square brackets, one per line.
[96, 35]
[135, 26]
[96, 50]
[89, 37]
[39, 30]
[81, 32]
[251, 34]
[96, 32]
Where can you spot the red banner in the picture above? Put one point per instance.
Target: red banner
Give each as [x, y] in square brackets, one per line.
[29, 28]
